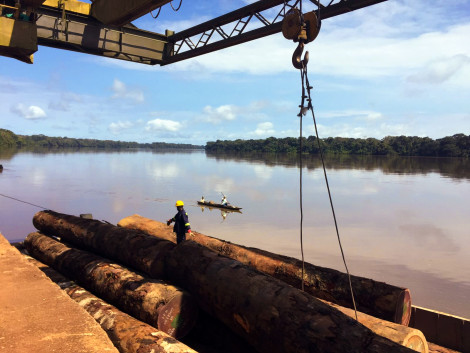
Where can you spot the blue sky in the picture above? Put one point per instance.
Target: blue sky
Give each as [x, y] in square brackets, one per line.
[401, 67]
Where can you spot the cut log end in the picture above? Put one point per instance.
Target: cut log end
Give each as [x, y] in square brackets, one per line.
[178, 316]
[403, 311]
[417, 343]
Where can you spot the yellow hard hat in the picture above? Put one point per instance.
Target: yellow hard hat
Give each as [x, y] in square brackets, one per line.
[179, 203]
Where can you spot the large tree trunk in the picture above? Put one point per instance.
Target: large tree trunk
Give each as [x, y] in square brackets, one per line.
[406, 336]
[128, 334]
[270, 314]
[161, 305]
[378, 299]
[132, 247]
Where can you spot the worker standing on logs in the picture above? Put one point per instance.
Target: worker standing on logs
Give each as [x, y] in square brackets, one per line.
[181, 220]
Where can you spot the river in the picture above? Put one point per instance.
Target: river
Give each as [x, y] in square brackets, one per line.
[404, 221]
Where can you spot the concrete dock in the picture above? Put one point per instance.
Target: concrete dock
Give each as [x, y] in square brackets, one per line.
[37, 316]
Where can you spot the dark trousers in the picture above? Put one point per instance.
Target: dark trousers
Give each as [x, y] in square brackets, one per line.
[180, 238]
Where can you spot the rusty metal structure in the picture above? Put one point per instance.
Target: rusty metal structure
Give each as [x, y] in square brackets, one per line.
[104, 28]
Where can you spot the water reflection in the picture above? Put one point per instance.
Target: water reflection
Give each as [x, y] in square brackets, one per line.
[455, 168]
[223, 212]
[9, 152]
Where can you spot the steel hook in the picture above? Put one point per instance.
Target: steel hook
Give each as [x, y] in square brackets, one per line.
[297, 56]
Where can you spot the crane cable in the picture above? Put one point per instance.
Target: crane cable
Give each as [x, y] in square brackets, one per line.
[29, 203]
[302, 65]
[158, 13]
[160, 9]
[176, 10]
[303, 111]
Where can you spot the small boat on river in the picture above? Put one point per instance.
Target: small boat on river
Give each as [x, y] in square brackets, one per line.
[218, 205]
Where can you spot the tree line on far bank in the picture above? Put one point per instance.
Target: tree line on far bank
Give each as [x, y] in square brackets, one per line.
[451, 146]
[10, 139]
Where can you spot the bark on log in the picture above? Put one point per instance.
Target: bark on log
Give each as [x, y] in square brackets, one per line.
[377, 299]
[404, 335]
[128, 334]
[268, 313]
[139, 251]
[166, 307]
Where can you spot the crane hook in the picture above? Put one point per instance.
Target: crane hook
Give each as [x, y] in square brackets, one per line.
[297, 57]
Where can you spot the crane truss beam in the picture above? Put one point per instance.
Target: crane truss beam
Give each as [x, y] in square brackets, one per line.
[200, 39]
[78, 31]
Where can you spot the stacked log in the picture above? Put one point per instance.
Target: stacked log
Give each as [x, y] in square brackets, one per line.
[404, 335]
[268, 313]
[127, 334]
[374, 298]
[140, 251]
[163, 306]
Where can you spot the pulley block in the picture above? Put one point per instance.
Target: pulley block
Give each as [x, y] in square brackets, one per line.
[300, 28]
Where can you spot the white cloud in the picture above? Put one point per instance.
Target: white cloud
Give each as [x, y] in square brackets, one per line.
[441, 70]
[264, 129]
[354, 114]
[121, 91]
[163, 125]
[31, 112]
[219, 114]
[230, 112]
[63, 103]
[357, 131]
[352, 50]
[116, 128]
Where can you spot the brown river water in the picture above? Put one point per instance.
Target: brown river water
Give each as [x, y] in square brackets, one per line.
[404, 221]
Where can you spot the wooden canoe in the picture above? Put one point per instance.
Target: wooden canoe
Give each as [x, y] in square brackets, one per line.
[218, 205]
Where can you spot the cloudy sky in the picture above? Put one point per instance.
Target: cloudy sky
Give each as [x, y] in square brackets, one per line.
[401, 67]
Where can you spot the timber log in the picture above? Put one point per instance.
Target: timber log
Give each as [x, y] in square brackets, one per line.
[128, 334]
[268, 313]
[163, 306]
[374, 298]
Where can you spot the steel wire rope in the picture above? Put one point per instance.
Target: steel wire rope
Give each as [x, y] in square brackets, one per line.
[300, 179]
[158, 13]
[310, 107]
[29, 203]
[171, 4]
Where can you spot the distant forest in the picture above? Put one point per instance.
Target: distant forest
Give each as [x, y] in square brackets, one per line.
[452, 146]
[10, 139]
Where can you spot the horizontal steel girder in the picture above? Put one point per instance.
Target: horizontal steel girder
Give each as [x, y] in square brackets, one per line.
[84, 34]
[242, 16]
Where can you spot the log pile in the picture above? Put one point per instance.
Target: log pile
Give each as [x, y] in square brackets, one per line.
[374, 298]
[163, 306]
[268, 313]
[127, 334]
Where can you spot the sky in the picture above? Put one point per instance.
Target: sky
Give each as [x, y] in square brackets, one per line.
[401, 67]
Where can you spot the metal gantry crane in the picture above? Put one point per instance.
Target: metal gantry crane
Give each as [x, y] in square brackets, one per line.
[104, 28]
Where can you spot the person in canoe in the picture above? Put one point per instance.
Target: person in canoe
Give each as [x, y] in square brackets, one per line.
[181, 220]
[224, 201]
[202, 199]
